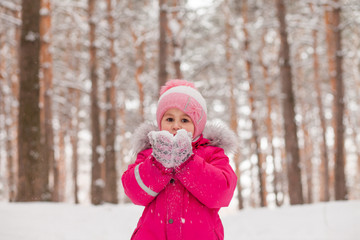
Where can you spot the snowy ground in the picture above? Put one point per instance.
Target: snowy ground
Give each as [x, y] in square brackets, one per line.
[51, 221]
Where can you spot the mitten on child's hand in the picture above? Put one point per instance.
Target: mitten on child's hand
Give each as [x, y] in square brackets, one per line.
[161, 142]
[182, 147]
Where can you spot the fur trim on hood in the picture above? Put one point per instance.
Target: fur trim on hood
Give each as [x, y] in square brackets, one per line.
[217, 133]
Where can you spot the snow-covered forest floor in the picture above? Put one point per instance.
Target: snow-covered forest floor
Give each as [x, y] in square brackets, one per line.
[61, 221]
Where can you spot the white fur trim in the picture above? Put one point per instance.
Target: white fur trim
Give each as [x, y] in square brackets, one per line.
[140, 140]
[188, 91]
[222, 136]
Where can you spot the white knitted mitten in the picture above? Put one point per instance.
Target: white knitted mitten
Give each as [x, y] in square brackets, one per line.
[182, 147]
[162, 143]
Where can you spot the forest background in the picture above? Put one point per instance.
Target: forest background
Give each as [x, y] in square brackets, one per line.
[78, 77]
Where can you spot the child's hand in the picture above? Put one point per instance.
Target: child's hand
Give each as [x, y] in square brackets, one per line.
[171, 151]
[162, 144]
[182, 147]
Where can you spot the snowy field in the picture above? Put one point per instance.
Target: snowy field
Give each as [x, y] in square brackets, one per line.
[57, 221]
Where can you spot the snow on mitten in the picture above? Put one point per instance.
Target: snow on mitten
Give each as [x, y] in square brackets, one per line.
[182, 147]
[161, 142]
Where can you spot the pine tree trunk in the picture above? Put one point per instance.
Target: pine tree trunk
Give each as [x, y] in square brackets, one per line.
[340, 178]
[13, 113]
[140, 65]
[254, 124]
[163, 75]
[177, 38]
[333, 38]
[46, 84]
[33, 174]
[233, 102]
[288, 102]
[97, 183]
[74, 140]
[8, 126]
[324, 168]
[307, 158]
[269, 122]
[110, 191]
[59, 164]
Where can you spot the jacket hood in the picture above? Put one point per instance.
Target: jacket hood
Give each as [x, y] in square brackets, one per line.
[218, 134]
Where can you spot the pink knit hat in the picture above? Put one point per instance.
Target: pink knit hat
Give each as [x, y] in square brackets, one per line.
[183, 95]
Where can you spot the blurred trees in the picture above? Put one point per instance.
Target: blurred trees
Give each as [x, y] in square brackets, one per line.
[91, 75]
[33, 173]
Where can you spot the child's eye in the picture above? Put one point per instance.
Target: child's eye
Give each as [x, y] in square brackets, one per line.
[169, 119]
[185, 120]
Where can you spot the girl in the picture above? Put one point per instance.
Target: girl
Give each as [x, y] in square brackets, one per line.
[181, 177]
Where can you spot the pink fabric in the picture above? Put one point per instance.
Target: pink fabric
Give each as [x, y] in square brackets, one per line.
[188, 199]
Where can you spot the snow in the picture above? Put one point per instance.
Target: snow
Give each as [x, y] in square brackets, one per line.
[64, 221]
[31, 36]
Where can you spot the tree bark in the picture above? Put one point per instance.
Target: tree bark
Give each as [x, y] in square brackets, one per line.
[254, 123]
[340, 178]
[288, 102]
[233, 103]
[97, 183]
[46, 89]
[110, 191]
[140, 65]
[163, 52]
[74, 140]
[177, 38]
[333, 38]
[33, 174]
[269, 122]
[324, 167]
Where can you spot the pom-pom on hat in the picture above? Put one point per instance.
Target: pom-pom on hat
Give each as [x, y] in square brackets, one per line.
[183, 95]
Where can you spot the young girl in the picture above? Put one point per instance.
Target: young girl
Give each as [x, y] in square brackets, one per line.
[181, 177]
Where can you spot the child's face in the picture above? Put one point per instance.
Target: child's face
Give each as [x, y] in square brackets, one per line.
[175, 119]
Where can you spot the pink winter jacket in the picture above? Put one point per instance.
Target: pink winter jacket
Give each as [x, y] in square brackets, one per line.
[181, 204]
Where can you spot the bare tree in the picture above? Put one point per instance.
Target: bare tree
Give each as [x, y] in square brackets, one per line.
[46, 90]
[176, 26]
[110, 191]
[74, 140]
[251, 97]
[233, 101]
[33, 171]
[288, 102]
[163, 45]
[333, 37]
[324, 168]
[97, 183]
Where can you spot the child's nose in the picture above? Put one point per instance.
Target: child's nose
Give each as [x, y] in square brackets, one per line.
[176, 126]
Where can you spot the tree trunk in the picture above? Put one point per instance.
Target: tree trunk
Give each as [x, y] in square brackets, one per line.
[110, 191]
[140, 65]
[288, 102]
[74, 140]
[269, 122]
[46, 89]
[307, 158]
[7, 110]
[33, 174]
[59, 163]
[163, 75]
[254, 124]
[177, 38]
[97, 183]
[233, 103]
[333, 38]
[324, 168]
